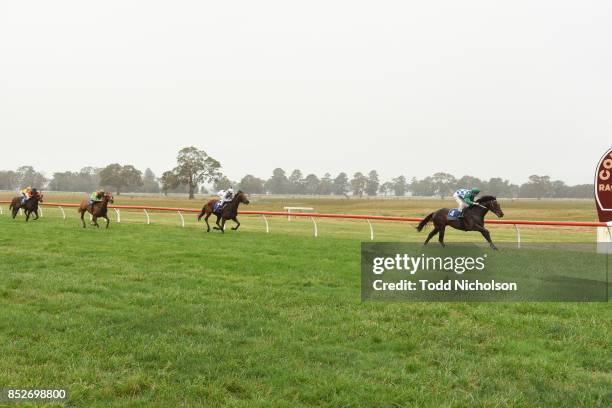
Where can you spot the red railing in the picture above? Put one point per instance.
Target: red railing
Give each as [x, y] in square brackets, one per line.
[345, 216]
[312, 216]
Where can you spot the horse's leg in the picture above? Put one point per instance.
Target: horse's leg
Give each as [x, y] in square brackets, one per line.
[94, 219]
[218, 227]
[91, 220]
[431, 235]
[486, 234]
[207, 224]
[223, 225]
[27, 214]
[36, 214]
[235, 219]
[107, 220]
[441, 236]
[83, 217]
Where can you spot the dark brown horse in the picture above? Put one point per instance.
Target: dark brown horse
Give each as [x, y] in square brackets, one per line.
[29, 207]
[228, 212]
[472, 220]
[97, 210]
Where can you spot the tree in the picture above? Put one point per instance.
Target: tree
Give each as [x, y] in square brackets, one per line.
[9, 180]
[558, 189]
[27, 176]
[118, 177]
[536, 187]
[498, 187]
[341, 184]
[580, 191]
[111, 176]
[252, 185]
[278, 183]
[326, 185]
[222, 183]
[358, 184]
[399, 186]
[63, 181]
[311, 184]
[131, 176]
[296, 182]
[149, 182]
[422, 188]
[87, 179]
[386, 188]
[169, 181]
[444, 184]
[470, 182]
[196, 167]
[372, 183]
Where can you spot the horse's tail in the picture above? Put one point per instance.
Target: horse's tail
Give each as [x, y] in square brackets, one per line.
[11, 206]
[202, 213]
[424, 222]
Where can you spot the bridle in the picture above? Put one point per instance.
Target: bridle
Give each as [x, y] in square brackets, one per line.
[487, 208]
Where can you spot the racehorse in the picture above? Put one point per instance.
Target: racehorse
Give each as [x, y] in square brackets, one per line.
[473, 220]
[29, 207]
[97, 210]
[228, 212]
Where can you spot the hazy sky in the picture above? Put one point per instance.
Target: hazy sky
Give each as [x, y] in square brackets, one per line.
[486, 88]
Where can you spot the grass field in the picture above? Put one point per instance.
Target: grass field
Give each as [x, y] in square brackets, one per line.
[158, 315]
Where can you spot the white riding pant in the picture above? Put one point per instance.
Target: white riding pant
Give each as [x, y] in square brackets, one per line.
[462, 205]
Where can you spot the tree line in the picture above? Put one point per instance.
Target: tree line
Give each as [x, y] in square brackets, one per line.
[195, 169]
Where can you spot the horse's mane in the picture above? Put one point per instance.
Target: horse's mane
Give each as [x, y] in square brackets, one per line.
[485, 199]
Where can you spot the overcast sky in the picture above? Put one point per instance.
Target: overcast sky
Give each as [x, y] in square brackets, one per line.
[485, 88]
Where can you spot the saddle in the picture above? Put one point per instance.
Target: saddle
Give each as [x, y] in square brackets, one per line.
[453, 214]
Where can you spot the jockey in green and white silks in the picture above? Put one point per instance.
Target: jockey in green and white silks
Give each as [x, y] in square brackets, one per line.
[465, 198]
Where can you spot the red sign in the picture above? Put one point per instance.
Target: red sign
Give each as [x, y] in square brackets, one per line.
[603, 187]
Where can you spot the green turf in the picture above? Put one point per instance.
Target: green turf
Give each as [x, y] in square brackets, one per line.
[158, 315]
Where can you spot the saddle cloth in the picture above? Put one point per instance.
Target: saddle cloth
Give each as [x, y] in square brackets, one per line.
[218, 206]
[453, 214]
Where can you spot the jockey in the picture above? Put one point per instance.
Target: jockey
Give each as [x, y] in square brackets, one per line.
[465, 198]
[26, 194]
[96, 197]
[225, 196]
